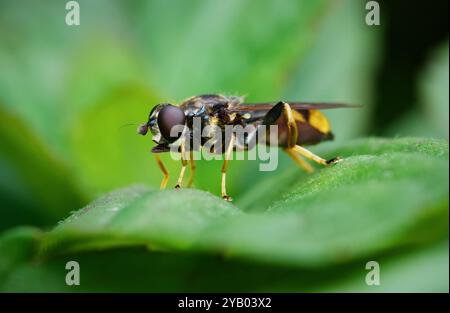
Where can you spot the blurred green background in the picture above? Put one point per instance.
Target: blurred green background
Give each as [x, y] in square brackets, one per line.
[66, 92]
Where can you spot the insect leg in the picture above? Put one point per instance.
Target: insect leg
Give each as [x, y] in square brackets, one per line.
[193, 167]
[291, 124]
[163, 170]
[299, 160]
[309, 155]
[225, 167]
[292, 141]
[271, 118]
[183, 167]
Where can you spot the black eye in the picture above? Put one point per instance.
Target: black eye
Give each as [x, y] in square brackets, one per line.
[169, 117]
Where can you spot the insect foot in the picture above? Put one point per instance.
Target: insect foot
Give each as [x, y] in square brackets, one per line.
[227, 198]
[177, 186]
[334, 160]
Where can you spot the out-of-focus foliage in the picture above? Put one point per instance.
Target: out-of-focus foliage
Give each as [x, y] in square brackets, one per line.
[434, 89]
[430, 118]
[35, 187]
[69, 94]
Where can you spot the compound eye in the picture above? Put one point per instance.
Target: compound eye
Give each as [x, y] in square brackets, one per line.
[169, 117]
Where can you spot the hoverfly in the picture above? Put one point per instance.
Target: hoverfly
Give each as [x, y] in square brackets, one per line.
[299, 124]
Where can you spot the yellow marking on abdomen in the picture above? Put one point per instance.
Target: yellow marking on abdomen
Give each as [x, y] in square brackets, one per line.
[319, 121]
[298, 116]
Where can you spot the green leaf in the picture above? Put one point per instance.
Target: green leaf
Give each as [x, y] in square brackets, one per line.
[265, 192]
[425, 270]
[17, 246]
[390, 190]
[136, 216]
[382, 179]
[385, 196]
[35, 187]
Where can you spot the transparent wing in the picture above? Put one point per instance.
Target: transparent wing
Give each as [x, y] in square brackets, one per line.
[266, 106]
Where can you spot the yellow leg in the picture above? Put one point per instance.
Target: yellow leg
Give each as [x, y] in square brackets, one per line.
[224, 169]
[299, 160]
[163, 170]
[309, 155]
[292, 139]
[291, 124]
[183, 167]
[293, 147]
[193, 167]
